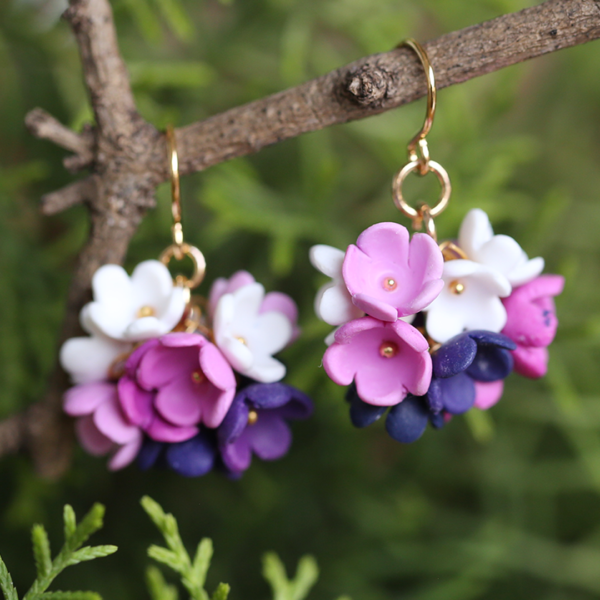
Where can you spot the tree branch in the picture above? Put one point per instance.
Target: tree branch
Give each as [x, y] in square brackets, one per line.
[128, 156]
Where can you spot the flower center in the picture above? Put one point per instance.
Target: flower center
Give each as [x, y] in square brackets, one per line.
[198, 376]
[456, 287]
[388, 349]
[390, 284]
[242, 341]
[145, 311]
[252, 417]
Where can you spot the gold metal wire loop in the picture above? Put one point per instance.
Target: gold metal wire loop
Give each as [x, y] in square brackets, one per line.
[398, 182]
[175, 187]
[179, 252]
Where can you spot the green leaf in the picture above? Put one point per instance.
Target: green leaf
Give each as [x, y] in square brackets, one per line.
[274, 573]
[91, 523]
[306, 576]
[157, 586]
[6, 584]
[91, 552]
[202, 560]
[69, 596]
[222, 592]
[70, 521]
[176, 17]
[154, 511]
[41, 550]
[167, 557]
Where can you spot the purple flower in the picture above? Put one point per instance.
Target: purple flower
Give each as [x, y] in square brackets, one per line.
[256, 423]
[102, 427]
[532, 323]
[174, 383]
[389, 276]
[192, 458]
[387, 361]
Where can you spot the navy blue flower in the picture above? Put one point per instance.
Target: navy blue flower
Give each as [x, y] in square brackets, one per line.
[468, 357]
[193, 458]
[257, 423]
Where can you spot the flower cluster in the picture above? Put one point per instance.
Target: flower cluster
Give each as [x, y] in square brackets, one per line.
[158, 380]
[424, 331]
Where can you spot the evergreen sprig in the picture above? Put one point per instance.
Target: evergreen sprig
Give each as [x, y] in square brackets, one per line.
[192, 572]
[283, 588]
[72, 553]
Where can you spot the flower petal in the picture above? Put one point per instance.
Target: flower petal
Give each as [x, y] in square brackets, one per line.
[215, 404]
[162, 364]
[149, 454]
[235, 420]
[85, 399]
[136, 402]
[328, 260]
[375, 308]
[151, 285]
[238, 355]
[531, 361]
[268, 395]
[216, 368]
[266, 369]
[270, 333]
[91, 439]
[162, 431]
[491, 363]
[407, 421]
[179, 402]
[382, 240]
[526, 272]
[126, 454]
[475, 231]
[270, 437]
[362, 414]
[487, 394]
[192, 458]
[454, 356]
[455, 395]
[237, 456]
[110, 420]
[333, 304]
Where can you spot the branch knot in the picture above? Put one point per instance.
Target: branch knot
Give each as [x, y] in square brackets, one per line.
[368, 86]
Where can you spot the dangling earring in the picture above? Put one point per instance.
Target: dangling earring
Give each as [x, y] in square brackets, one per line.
[177, 380]
[428, 331]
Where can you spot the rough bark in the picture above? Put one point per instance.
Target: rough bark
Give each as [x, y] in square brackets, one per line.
[127, 156]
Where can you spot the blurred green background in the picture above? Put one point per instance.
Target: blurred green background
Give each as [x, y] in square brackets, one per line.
[498, 505]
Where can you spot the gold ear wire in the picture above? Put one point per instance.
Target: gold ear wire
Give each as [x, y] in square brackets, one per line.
[418, 155]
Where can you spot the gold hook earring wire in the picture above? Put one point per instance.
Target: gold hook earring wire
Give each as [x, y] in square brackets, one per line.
[419, 140]
[422, 163]
[179, 249]
[175, 187]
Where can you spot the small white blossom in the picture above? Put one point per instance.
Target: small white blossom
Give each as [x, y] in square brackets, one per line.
[247, 337]
[470, 299]
[333, 303]
[499, 252]
[136, 308]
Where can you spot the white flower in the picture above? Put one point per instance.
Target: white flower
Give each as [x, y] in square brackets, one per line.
[469, 300]
[333, 303]
[499, 252]
[134, 309]
[89, 359]
[249, 338]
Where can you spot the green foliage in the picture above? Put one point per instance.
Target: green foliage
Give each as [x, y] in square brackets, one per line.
[71, 554]
[283, 588]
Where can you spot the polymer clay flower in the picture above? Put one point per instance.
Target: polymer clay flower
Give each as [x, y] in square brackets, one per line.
[532, 323]
[488, 393]
[248, 337]
[468, 358]
[390, 276]
[102, 427]
[88, 359]
[192, 458]
[136, 308]
[257, 423]
[499, 252]
[385, 360]
[173, 384]
[272, 302]
[333, 303]
[470, 299]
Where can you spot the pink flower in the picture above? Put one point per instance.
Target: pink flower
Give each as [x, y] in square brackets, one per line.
[102, 427]
[488, 393]
[272, 302]
[174, 383]
[532, 323]
[386, 360]
[390, 277]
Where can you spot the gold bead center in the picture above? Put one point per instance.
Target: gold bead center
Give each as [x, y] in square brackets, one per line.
[242, 341]
[388, 350]
[457, 288]
[390, 284]
[252, 417]
[146, 311]
[198, 376]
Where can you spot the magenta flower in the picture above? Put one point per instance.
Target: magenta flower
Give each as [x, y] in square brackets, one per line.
[532, 323]
[174, 383]
[386, 360]
[389, 276]
[102, 427]
[488, 393]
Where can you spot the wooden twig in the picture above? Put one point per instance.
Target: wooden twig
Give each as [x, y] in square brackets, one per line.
[127, 155]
